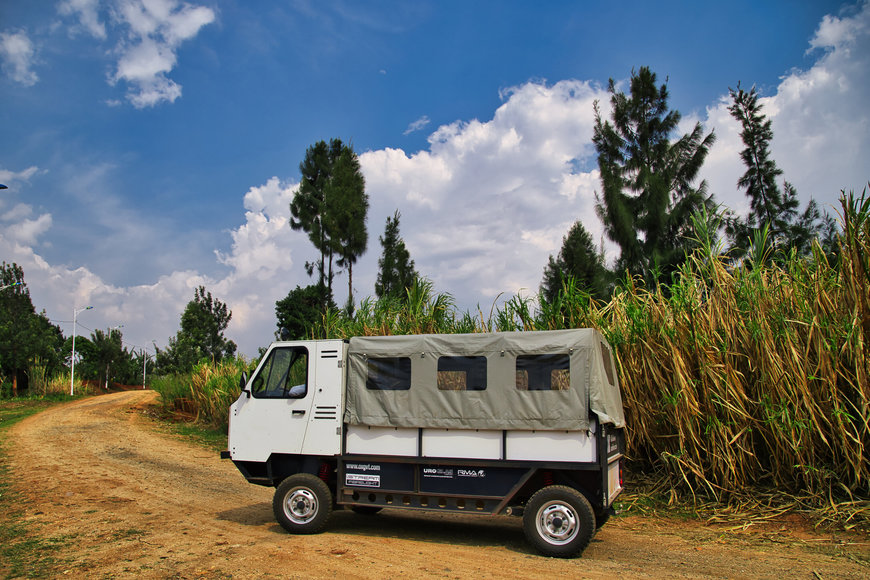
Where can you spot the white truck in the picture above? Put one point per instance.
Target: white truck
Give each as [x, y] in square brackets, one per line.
[518, 423]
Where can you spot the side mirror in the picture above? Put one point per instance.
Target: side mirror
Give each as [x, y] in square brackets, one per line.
[243, 384]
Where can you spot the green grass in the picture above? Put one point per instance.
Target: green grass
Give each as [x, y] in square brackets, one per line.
[24, 551]
[208, 437]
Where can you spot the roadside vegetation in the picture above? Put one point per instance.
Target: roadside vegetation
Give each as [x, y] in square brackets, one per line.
[24, 551]
[203, 396]
[746, 384]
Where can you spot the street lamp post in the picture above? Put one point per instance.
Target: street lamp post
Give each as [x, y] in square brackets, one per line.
[144, 365]
[72, 371]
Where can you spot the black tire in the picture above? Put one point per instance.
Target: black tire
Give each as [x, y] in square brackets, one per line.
[602, 517]
[302, 504]
[366, 510]
[559, 521]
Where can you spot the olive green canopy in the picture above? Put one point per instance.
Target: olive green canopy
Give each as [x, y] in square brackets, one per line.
[547, 380]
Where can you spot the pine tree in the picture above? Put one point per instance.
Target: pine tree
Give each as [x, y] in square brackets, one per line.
[768, 205]
[348, 215]
[201, 335]
[309, 207]
[648, 197]
[578, 260]
[396, 268]
[766, 200]
[331, 207]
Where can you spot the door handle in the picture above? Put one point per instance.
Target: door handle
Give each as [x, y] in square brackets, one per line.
[298, 412]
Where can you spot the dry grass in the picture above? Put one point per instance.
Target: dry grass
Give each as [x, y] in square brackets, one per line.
[745, 385]
[735, 377]
[748, 376]
[206, 394]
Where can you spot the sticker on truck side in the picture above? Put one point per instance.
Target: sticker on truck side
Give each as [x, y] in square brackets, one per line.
[362, 480]
[437, 473]
[612, 444]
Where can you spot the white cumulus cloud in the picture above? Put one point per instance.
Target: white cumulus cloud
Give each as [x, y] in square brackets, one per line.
[18, 56]
[484, 207]
[87, 13]
[150, 33]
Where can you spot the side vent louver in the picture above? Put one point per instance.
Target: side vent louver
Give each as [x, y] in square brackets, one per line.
[326, 412]
[329, 354]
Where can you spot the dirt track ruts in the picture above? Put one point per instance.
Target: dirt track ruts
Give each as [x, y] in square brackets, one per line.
[128, 500]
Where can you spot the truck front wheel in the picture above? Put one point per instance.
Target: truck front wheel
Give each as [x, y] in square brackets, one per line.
[302, 504]
[559, 521]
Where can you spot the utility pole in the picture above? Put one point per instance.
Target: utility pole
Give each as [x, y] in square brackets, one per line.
[72, 360]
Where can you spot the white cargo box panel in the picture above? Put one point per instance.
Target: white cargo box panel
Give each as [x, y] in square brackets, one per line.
[369, 440]
[462, 443]
[550, 446]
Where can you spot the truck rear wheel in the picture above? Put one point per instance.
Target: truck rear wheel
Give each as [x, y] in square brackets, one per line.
[559, 521]
[602, 517]
[302, 504]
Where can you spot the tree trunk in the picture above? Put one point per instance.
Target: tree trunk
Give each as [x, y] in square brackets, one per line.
[350, 282]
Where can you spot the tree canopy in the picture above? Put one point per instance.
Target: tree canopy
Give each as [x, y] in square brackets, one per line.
[201, 335]
[105, 359]
[331, 206]
[395, 267]
[26, 338]
[350, 236]
[578, 260]
[648, 194]
[770, 208]
[300, 311]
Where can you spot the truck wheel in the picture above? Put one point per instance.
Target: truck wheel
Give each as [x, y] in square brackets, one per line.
[302, 504]
[602, 517]
[559, 521]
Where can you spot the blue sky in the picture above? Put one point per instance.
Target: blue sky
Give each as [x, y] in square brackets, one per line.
[151, 146]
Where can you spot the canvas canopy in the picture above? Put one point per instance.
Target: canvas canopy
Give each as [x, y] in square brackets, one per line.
[546, 380]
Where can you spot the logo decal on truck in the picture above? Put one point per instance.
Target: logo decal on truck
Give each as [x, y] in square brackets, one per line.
[476, 473]
[612, 444]
[363, 466]
[362, 480]
[438, 472]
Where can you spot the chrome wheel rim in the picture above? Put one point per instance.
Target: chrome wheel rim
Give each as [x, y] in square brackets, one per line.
[300, 505]
[557, 523]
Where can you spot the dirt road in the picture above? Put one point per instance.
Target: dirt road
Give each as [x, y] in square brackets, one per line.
[124, 499]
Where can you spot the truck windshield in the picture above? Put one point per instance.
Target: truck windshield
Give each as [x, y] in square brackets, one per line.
[283, 375]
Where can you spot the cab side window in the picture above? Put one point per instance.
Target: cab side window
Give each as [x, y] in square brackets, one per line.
[284, 375]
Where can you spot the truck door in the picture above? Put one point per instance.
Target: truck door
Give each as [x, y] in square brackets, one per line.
[324, 429]
[273, 417]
